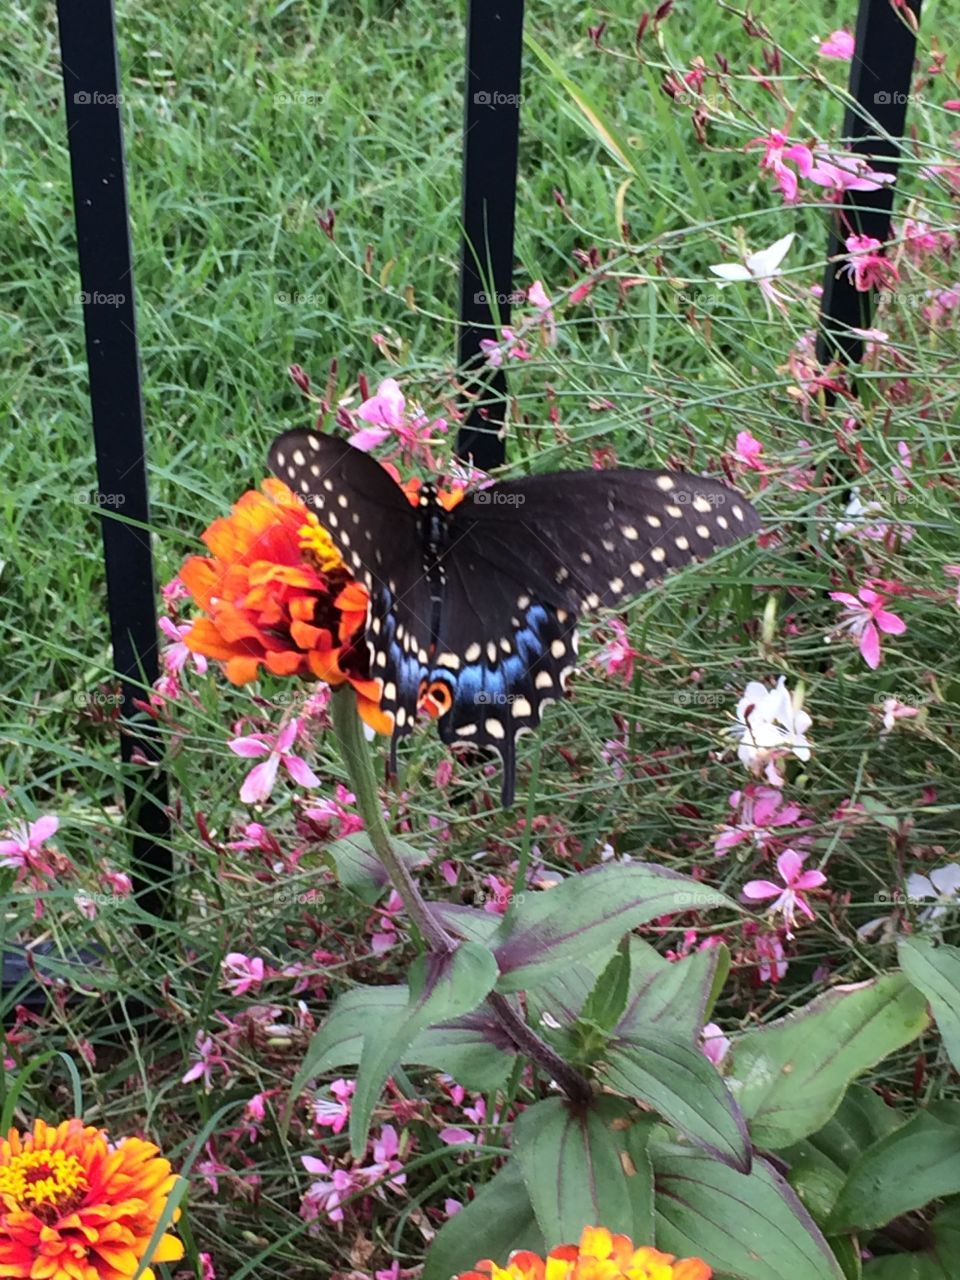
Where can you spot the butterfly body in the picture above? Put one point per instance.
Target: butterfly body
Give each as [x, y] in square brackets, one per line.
[473, 610]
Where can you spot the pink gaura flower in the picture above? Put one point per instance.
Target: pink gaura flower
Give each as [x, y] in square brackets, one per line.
[454, 1136]
[208, 1058]
[900, 473]
[761, 810]
[839, 173]
[386, 936]
[387, 415]
[714, 1043]
[867, 616]
[334, 813]
[497, 900]
[749, 452]
[23, 847]
[836, 173]
[176, 654]
[537, 297]
[776, 152]
[772, 958]
[260, 781]
[387, 1168]
[118, 882]
[867, 267]
[894, 710]
[385, 409]
[618, 657]
[839, 45]
[241, 973]
[511, 348]
[334, 1113]
[789, 899]
[919, 241]
[174, 590]
[328, 1193]
[256, 836]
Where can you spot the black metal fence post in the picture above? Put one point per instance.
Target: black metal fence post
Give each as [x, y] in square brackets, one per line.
[491, 142]
[93, 102]
[880, 79]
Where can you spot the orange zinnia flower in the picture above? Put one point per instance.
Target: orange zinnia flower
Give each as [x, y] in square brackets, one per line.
[276, 594]
[74, 1207]
[600, 1255]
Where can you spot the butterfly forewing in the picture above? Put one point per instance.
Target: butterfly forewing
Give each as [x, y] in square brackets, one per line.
[593, 539]
[375, 529]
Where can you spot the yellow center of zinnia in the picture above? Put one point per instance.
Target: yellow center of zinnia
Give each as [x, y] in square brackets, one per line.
[36, 1178]
[315, 540]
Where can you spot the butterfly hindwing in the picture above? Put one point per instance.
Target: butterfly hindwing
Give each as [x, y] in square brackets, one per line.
[376, 530]
[501, 655]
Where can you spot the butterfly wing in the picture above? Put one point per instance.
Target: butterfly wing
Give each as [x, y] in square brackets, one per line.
[376, 531]
[527, 557]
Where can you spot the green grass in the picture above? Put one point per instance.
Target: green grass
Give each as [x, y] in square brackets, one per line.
[229, 161]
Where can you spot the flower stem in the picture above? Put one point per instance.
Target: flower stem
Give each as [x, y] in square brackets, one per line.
[357, 758]
[359, 764]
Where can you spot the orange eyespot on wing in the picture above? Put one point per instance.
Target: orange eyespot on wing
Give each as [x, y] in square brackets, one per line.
[434, 699]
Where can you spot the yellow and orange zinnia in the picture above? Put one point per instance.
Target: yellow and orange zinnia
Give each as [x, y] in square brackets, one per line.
[600, 1255]
[75, 1207]
[276, 595]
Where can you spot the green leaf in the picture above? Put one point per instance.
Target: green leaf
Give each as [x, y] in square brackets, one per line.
[564, 995]
[631, 1131]
[441, 987]
[790, 1076]
[586, 913]
[846, 1250]
[572, 1171]
[819, 1164]
[906, 1266]
[935, 970]
[862, 1119]
[471, 1048]
[605, 1004]
[918, 1163]
[747, 1226]
[816, 1180]
[498, 1220]
[465, 922]
[684, 1087]
[359, 869]
[670, 998]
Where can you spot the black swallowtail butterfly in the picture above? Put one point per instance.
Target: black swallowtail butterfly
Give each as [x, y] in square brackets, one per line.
[473, 612]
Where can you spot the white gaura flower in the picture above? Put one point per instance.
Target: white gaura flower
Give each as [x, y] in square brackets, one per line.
[762, 268]
[942, 885]
[771, 723]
